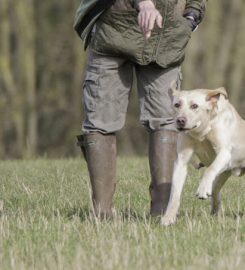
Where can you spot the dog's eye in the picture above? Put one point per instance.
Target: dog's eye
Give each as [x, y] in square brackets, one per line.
[177, 105]
[194, 106]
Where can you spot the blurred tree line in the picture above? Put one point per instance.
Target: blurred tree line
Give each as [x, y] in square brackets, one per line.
[41, 70]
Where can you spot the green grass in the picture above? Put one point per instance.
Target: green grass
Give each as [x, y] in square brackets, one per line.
[45, 222]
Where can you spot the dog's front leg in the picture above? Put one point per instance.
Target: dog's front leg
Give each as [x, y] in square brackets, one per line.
[219, 165]
[179, 176]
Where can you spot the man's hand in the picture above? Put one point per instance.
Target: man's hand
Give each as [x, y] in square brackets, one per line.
[148, 16]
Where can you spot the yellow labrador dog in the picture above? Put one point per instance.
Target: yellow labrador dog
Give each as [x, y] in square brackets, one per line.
[211, 128]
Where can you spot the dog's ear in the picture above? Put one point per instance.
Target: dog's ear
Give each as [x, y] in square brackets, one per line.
[172, 90]
[214, 95]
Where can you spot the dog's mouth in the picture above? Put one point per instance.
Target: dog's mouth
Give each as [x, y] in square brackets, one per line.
[186, 129]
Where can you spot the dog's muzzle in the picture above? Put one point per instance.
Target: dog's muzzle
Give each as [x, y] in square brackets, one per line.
[181, 122]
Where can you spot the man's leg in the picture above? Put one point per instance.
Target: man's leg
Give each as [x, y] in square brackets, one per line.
[157, 116]
[162, 155]
[100, 154]
[106, 88]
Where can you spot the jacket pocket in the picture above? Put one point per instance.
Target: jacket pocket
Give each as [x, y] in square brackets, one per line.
[118, 33]
[186, 24]
[175, 37]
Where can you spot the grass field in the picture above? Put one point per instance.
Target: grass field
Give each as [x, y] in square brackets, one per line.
[45, 222]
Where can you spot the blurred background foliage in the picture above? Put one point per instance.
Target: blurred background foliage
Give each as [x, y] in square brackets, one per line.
[42, 64]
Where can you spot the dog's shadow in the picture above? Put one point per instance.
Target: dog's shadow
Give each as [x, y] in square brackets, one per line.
[234, 214]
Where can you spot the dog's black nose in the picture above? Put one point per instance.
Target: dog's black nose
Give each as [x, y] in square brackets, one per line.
[181, 121]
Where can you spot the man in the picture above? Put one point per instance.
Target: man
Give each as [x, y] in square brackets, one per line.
[149, 37]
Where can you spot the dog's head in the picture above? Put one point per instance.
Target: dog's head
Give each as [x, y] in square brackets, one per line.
[195, 108]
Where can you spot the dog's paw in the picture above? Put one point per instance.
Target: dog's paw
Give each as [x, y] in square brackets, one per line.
[168, 220]
[204, 192]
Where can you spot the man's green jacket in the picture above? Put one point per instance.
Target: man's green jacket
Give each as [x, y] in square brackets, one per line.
[117, 32]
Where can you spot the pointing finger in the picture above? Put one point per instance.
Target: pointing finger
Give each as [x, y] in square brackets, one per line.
[147, 34]
[159, 20]
[151, 21]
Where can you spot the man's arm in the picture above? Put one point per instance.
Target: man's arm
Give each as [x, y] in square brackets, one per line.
[194, 11]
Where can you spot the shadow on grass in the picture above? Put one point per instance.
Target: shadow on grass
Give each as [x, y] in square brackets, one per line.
[234, 214]
[85, 214]
[128, 214]
[230, 214]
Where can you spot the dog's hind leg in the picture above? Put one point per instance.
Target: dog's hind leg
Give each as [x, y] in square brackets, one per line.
[216, 196]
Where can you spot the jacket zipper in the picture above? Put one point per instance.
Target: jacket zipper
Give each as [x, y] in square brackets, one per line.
[154, 58]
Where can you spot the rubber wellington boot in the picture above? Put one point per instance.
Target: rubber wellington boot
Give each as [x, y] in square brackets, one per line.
[100, 153]
[162, 155]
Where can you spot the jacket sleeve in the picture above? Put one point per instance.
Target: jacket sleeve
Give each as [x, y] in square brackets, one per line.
[136, 2]
[197, 7]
